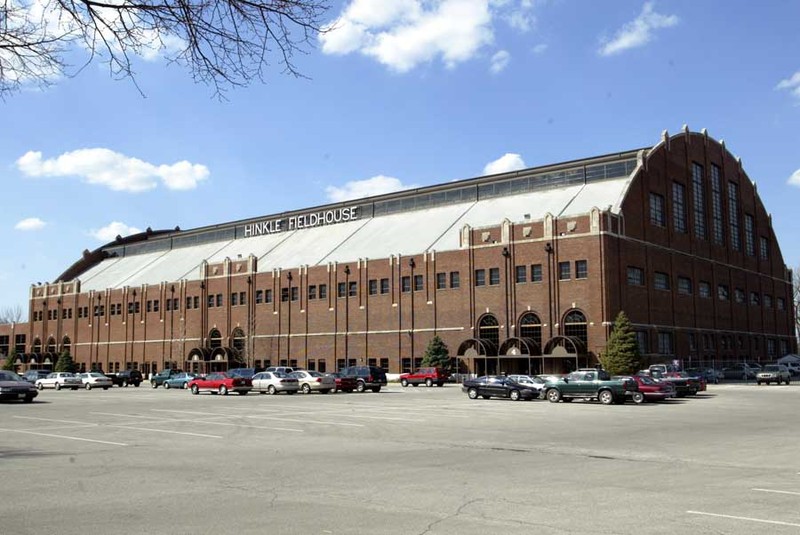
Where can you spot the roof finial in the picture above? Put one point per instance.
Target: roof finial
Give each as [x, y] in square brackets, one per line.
[685, 128]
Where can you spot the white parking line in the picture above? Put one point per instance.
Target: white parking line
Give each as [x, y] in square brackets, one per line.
[278, 418]
[64, 436]
[53, 420]
[761, 520]
[227, 423]
[165, 431]
[778, 491]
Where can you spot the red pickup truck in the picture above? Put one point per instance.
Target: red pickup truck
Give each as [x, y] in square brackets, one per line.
[428, 376]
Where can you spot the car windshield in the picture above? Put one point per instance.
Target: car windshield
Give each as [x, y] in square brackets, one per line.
[280, 375]
[646, 380]
[9, 376]
[315, 374]
[772, 368]
[95, 374]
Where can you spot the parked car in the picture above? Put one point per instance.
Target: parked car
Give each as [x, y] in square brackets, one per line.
[59, 380]
[426, 376]
[314, 381]
[12, 386]
[33, 375]
[684, 386]
[95, 380]
[179, 381]
[534, 382]
[247, 373]
[126, 377]
[367, 377]
[709, 374]
[343, 384]
[159, 378]
[220, 383]
[274, 382]
[774, 373]
[740, 370]
[282, 369]
[794, 368]
[498, 386]
[651, 390]
[590, 384]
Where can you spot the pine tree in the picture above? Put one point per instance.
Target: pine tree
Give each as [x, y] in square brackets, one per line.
[622, 352]
[437, 354]
[9, 363]
[65, 363]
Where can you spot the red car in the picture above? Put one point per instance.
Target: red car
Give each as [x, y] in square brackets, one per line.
[428, 376]
[221, 383]
[652, 390]
[344, 384]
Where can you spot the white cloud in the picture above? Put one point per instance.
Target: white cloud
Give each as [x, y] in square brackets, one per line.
[639, 31]
[791, 84]
[507, 162]
[499, 62]
[358, 189]
[112, 230]
[113, 170]
[403, 34]
[794, 180]
[30, 223]
[540, 49]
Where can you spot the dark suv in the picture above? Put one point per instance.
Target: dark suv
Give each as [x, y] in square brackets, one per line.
[126, 377]
[159, 378]
[34, 375]
[366, 377]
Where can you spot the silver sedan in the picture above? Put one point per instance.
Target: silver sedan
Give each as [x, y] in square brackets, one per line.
[314, 382]
[274, 382]
[59, 380]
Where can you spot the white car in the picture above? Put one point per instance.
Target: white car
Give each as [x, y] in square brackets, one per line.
[314, 382]
[94, 379]
[59, 380]
[527, 380]
[274, 382]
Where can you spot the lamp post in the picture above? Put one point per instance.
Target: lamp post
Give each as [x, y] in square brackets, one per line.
[346, 314]
[289, 322]
[133, 334]
[412, 265]
[549, 250]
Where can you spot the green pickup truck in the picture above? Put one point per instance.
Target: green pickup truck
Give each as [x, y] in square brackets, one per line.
[589, 384]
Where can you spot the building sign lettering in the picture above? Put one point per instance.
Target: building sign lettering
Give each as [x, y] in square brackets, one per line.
[298, 222]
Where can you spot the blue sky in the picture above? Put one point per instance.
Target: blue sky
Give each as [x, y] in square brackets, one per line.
[403, 93]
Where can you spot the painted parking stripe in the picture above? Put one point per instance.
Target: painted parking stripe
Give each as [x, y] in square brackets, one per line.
[64, 436]
[165, 431]
[778, 491]
[54, 420]
[278, 418]
[206, 421]
[731, 517]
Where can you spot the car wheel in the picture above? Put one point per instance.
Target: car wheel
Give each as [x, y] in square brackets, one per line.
[40, 386]
[360, 387]
[28, 399]
[136, 385]
[415, 385]
[166, 385]
[376, 389]
[326, 391]
[58, 386]
[306, 388]
[759, 383]
[553, 395]
[404, 382]
[638, 397]
[242, 392]
[428, 382]
[125, 383]
[514, 395]
[486, 397]
[606, 397]
[195, 390]
[271, 389]
[223, 390]
[788, 381]
[440, 384]
[291, 392]
[88, 386]
[153, 384]
[472, 393]
[105, 388]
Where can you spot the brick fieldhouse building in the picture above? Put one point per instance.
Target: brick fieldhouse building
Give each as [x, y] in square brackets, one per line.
[523, 271]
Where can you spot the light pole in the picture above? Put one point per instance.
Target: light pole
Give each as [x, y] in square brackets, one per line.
[412, 265]
[346, 314]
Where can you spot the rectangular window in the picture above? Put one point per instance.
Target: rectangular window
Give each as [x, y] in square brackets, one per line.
[234, 299]
[660, 281]
[418, 283]
[698, 185]
[323, 291]
[188, 303]
[684, 285]
[259, 296]
[196, 301]
[764, 248]
[341, 290]
[563, 271]
[692, 342]
[733, 215]
[295, 293]
[148, 307]
[219, 300]
[441, 281]
[722, 292]
[665, 343]
[635, 276]
[405, 284]
[704, 290]
[268, 296]
[284, 295]
[771, 348]
[581, 269]
[716, 205]
[373, 287]
[536, 273]
[755, 299]
[455, 279]
[657, 216]
[738, 295]
[312, 292]
[494, 276]
[521, 274]
[242, 298]
[352, 289]
[211, 301]
[480, 277]
[679, 207]
[168, 307]
[749, 236]
[767, 301]
[384, 286]
[642, 342]
[175, 304]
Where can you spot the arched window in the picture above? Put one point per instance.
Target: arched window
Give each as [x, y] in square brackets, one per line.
[51, 345]
[530, 326]
[575, 326]
[214, 339]
[66, 345]
[237, 340]
[489, 329]
[37, 346]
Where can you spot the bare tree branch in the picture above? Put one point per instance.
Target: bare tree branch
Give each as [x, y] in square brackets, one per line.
[223, 44]
[11, 314]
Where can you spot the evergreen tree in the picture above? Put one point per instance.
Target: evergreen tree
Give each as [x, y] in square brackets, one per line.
[437, 354]
[622, 352]
[65, 363]
[9, 363]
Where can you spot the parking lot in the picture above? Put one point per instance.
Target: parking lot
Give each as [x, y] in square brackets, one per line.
[406, 460]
